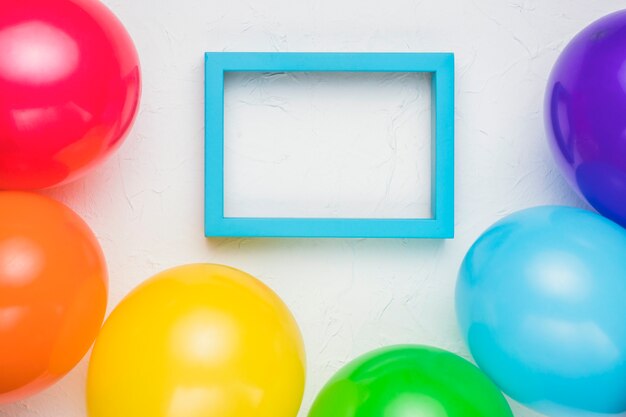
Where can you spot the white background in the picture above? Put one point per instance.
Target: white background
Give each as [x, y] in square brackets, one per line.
[349, 296]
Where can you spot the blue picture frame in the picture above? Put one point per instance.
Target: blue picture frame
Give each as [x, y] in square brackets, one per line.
[439, 226]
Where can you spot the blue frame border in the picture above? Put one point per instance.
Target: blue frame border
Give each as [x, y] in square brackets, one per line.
[441, 65]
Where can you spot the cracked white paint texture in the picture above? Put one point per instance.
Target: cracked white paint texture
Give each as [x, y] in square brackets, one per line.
[327, 145]
[349, 296]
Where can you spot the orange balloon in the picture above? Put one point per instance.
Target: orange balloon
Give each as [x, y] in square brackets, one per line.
[53, 292]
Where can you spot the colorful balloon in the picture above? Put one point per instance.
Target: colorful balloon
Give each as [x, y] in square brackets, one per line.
[541, 302]
[585, 115]
[404, 381]
[198, 340]
[70, 83]
[53, 292]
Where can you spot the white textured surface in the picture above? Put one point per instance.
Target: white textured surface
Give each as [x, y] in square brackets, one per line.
[145, 204]
[327, 145]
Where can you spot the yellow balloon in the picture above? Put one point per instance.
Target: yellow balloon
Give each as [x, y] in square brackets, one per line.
[198, 341]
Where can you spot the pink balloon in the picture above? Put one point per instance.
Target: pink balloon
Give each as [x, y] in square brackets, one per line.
[70, 83]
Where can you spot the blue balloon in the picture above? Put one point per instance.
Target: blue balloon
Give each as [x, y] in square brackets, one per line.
[541, 302]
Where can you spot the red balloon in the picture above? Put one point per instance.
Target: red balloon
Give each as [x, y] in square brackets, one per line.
[69, 89]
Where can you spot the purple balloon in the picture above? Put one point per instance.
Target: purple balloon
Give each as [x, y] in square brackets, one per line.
[585, 114]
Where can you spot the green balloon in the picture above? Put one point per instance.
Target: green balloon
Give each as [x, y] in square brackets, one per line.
[410, 381]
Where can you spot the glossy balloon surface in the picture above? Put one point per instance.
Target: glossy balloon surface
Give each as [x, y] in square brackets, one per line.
[198, 340]
[541, 302]
[585, 114]
[403, 381]
[70, 86]
[53, 292]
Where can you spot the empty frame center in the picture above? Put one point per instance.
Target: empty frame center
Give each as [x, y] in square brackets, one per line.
[327, 145]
